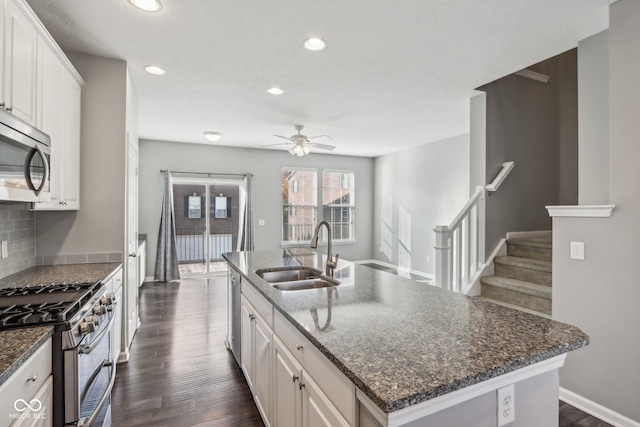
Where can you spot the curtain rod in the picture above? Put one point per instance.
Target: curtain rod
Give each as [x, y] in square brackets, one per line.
[207, 173]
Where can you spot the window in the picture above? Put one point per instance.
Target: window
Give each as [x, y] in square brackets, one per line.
[300, 204]
[338, 203]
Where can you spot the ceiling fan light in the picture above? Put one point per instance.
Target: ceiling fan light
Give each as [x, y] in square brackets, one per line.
[306, 149]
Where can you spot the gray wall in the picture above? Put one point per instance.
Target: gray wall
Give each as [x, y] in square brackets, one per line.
[431, 182]
[601, 294]
[535, 125]
[95, 233]
[593, 84]
[17, 227]
[266, 165]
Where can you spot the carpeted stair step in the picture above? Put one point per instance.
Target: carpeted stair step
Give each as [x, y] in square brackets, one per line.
[525, 269]
[517, 292]
[530, 247]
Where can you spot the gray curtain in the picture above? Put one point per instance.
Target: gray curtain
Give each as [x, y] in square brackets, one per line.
[246, 237]
[167, 256]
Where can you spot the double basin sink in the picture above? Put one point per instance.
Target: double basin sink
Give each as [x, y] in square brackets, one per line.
[296, 278]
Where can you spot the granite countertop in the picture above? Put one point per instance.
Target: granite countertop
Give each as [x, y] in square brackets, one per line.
[402, 342]
[57, 273]
[18, 345]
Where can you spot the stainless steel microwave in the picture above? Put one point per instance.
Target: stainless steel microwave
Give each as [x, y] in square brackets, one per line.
[25, 154]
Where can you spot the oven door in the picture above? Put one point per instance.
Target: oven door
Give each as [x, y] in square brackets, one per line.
[89, 377]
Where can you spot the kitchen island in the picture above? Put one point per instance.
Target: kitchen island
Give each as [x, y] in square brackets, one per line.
[413, 352]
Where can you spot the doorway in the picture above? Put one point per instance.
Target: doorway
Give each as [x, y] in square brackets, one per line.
[208, 221]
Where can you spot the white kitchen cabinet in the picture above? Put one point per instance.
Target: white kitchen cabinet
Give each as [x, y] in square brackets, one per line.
[287, 396]
[32, 380]
[59, 117]
[114, 286]
[19, 71]
[298, 400]
[256, 357]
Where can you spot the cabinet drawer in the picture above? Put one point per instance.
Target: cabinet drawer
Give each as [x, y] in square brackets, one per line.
[330, 380]
[259, 302]
[25, 382]
[43, 417]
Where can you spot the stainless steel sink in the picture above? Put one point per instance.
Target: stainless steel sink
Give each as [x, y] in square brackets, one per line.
[289, 274]
[301, 285]
[296, 279]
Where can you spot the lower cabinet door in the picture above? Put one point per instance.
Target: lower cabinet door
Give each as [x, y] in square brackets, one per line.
[262, 367]
[317, 410]
[41, 415]
[287, 405]
[246, 353]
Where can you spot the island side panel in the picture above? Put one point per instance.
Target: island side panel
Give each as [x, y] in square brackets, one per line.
[536, 404]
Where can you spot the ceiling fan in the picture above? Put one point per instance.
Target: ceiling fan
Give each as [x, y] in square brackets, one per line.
[302, 144]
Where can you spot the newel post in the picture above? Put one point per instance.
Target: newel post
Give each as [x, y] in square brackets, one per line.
[442, 256]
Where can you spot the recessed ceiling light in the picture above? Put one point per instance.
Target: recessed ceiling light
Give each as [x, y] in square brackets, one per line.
[275, 91]
[213, 136]
[315, 43]
[154, 69]
[147, 5]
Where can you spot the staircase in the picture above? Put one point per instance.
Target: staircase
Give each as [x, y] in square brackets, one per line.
[522, 278]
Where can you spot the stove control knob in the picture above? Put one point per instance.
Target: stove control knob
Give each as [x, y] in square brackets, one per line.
[87, 328]
[92, 319]
[107, 299]
[99, 310]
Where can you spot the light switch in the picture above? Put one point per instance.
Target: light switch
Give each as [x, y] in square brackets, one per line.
[261, 222]
[577, 250]
[5, 249]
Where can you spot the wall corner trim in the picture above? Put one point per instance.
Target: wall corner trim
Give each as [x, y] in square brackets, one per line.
[581, 211]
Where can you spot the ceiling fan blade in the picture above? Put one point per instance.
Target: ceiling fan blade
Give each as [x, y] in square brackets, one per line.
[321, 136]
[275, 145]
[285, 137]
[321, 146]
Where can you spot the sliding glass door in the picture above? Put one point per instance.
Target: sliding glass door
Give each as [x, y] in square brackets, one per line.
[208, 219]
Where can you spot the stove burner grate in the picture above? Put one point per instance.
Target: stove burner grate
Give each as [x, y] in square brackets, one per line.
[42, 288]
[32, 313]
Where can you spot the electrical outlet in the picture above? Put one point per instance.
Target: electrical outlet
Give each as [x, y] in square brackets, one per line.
[5, 249]
[577, 250]
[428, 258]
[506, 405]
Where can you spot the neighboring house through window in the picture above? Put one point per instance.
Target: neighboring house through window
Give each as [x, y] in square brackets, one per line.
[300, 195]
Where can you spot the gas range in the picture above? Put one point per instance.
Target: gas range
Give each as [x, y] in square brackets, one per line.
[44, 304]
[82, 314]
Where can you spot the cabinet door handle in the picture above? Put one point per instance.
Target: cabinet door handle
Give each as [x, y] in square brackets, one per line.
[301, 385]
[33, 378]
[9, 109]
[252, 316]
[295, 378]
[299, 347]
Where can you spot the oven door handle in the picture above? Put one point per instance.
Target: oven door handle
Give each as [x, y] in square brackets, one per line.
[87, 349]
[88, 421]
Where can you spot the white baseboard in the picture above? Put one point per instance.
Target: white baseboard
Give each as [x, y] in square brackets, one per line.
[597, 410]
[386, 264]
[123, 357]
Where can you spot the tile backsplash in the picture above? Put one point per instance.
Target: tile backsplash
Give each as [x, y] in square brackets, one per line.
[18, 229]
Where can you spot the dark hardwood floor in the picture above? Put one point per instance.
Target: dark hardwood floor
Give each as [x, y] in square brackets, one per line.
[180, 373]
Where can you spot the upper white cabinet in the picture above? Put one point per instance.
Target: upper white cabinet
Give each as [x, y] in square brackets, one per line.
[41, 87]
[59, 117]
[19, 71]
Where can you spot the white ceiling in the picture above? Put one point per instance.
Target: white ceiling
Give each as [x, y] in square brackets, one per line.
[395, 74]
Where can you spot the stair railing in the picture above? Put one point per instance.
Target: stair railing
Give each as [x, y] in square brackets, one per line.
[460, 245]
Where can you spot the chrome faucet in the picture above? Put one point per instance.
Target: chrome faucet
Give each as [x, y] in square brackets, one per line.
[331, 263]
